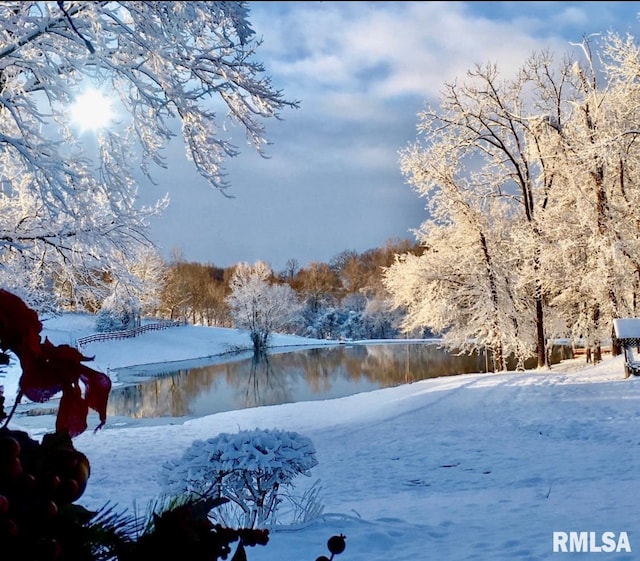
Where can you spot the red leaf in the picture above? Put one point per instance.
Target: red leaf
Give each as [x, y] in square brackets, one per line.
[48, 369]
[72, 412]
[65, 364]
[37, 382]
[19, 326]
[59, 368]
[98, 386]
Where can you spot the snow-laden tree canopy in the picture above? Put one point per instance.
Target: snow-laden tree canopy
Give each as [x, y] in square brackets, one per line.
[534, 225]
[249, 468]
[69, 206]
[259, 305]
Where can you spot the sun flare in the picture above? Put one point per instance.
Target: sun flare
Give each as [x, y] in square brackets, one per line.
[92, 111]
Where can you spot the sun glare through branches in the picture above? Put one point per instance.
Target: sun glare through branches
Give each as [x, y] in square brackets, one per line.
[92, 111]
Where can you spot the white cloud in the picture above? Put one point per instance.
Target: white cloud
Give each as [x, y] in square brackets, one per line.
[386, 49]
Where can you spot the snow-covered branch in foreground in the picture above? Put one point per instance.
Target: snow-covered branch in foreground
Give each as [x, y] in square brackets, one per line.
[167, 67]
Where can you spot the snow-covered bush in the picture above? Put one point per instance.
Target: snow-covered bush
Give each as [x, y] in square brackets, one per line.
[249, 468]
[118, 312]
[355, 318]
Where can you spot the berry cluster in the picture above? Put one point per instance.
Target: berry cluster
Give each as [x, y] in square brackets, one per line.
[38, 481]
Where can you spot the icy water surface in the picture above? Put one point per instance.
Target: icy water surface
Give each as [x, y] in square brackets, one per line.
[286, 377]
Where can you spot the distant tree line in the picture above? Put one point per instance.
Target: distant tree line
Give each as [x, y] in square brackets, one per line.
[344, 298]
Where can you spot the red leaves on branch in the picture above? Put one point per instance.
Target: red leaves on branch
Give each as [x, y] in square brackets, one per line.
[48, 369]
[19, 325]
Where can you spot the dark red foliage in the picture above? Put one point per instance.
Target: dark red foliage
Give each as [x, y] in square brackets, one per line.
[185, 532]
[19, 325]
[48, 369]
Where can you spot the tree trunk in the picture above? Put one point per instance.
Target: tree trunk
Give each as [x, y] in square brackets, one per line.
[541, 340]
[597, 353]
[499, 364]
[616, 350]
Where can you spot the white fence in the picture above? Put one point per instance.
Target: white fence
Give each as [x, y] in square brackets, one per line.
[110, 335]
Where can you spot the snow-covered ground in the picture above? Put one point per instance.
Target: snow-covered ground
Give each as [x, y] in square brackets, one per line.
[480, 467]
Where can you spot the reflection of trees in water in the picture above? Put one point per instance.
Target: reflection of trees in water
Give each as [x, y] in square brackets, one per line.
[286, 377]
[252, 382]
[317, 367]
[400, 363]
[165, 396]
[260, 385]
[385, 364]
[160, 397]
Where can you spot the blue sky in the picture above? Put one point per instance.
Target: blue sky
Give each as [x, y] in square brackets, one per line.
[362, 71]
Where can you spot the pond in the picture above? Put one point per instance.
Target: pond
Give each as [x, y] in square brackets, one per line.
[288, 377]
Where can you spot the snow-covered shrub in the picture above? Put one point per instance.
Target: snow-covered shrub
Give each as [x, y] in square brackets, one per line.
[249, 468]
[355, 318]
[118, 312]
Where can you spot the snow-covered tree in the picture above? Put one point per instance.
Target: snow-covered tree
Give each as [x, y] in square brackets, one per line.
[487, 190]
[459, 286]
[120, 311]
[547, 162]
[149, 271]
[69, 206]
[593, 218]
[251, 468]
[260, 305]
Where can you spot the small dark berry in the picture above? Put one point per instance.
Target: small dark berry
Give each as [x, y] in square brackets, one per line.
[336, 544]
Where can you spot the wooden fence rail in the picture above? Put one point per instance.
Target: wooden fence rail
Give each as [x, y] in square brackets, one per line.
[110, 335]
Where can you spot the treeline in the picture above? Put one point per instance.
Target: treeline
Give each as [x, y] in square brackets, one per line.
[344, 297]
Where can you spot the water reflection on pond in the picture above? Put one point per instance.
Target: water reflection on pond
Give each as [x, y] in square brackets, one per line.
[302, 375]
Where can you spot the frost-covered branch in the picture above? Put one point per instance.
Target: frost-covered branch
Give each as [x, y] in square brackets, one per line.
[173, 68]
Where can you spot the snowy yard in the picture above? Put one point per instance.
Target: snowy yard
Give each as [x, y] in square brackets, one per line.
[478, 466]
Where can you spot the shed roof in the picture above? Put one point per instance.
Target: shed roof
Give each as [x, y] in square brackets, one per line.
[627, 328]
